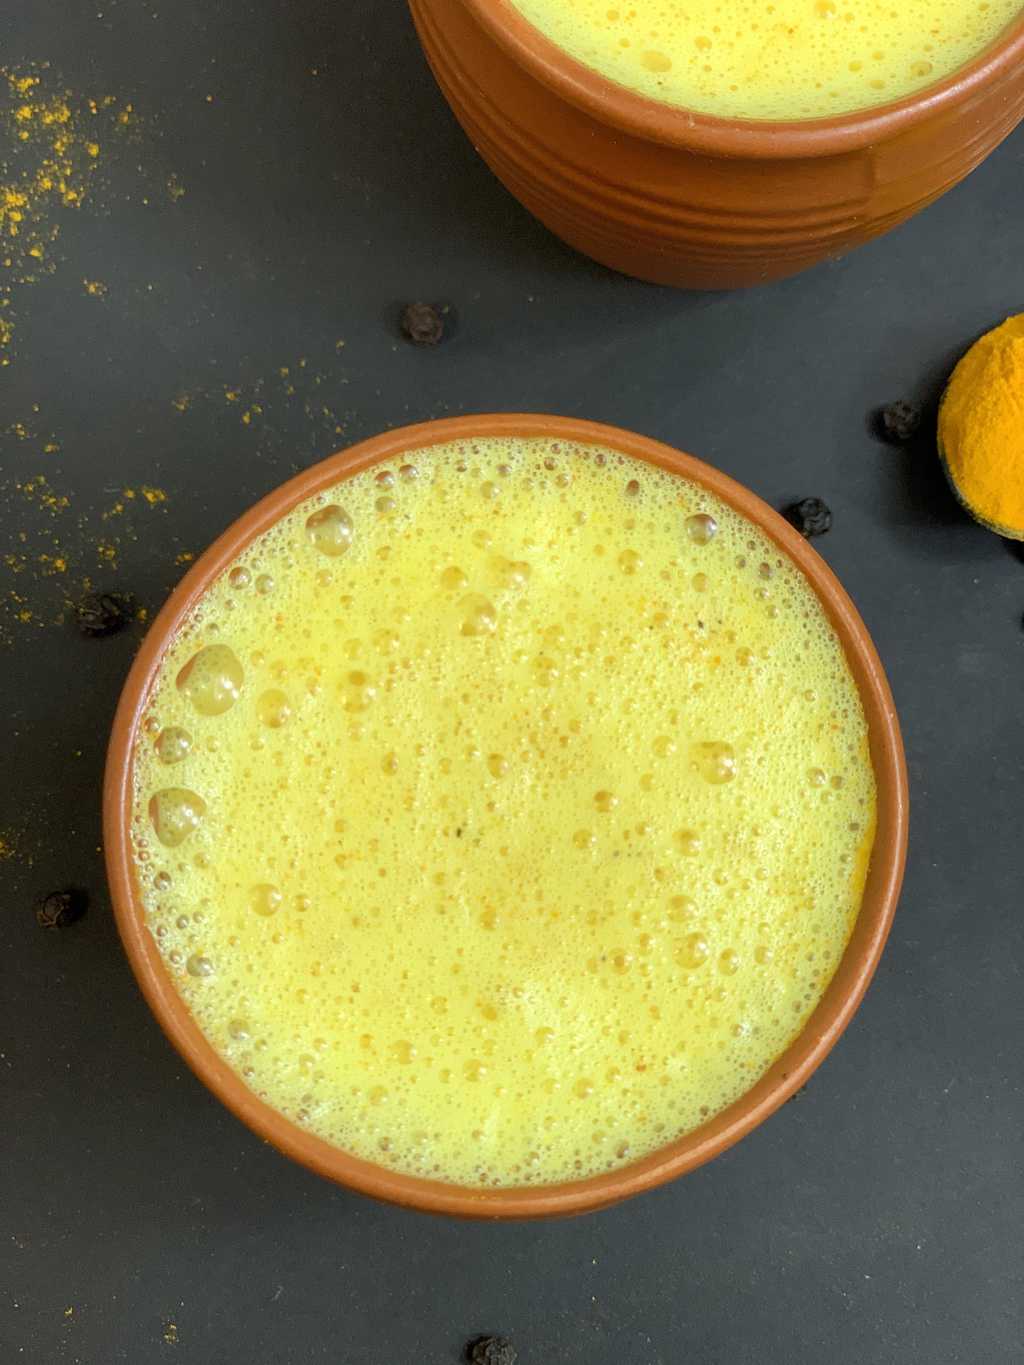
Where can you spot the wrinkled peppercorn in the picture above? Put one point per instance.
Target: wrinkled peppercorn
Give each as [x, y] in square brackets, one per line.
[898, 422]
[491, 1351]
[103, 613]
[810, 516]
[61, 908]
[422, 324]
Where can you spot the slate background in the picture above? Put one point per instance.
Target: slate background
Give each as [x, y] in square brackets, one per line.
[877, 1218]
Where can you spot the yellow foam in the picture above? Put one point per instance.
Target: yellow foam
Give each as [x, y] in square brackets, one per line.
[503, 823]
[788, 59]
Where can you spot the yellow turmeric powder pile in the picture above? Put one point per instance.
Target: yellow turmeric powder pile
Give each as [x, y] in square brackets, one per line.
[981, 429]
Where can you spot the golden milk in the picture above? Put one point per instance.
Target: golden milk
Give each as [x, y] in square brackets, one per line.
[788, 59]
[504, 811]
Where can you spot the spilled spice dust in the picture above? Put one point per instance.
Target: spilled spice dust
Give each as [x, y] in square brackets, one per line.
[259, 403]
[153, 496]
[49, 550]
[58, 148]
[38, 490]
[53, 143]
[18, 843]
[32, 432]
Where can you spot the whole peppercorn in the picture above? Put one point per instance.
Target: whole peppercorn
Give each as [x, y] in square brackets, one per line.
[810, 516]
[60, 909]
[100, 614]
[422, 324]
[899, 421]
[491, 1351]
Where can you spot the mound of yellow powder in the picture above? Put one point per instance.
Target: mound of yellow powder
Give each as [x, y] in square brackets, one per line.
[981, 429]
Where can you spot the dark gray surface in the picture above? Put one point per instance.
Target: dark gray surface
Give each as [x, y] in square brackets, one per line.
[878, 1218]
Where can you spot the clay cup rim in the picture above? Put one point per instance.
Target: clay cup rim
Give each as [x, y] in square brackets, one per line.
[759, 139]
[783, 1078]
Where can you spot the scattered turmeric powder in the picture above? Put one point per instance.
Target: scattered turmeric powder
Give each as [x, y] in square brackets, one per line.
[56, 144]
[39, 491]
[51, 168]
[261, 398]
[16, 842]
[48, 545]
[981, 429]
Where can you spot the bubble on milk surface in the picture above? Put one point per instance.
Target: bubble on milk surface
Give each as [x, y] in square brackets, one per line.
[175, 813]
[330, 530]
[173, 744]
[212, 680]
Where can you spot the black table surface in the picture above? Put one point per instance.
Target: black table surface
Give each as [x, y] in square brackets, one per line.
[215, 310]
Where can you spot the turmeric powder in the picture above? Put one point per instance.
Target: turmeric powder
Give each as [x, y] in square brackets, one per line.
[981, 429]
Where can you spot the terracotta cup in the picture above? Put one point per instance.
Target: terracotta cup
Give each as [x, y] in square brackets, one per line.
[685, 199]
[788, 1073]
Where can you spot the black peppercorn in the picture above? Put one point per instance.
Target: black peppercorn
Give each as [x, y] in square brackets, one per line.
[898, 422]
[422, 324]
[61, 908]
[810, 516]
[100, 614]
[491, 1351]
